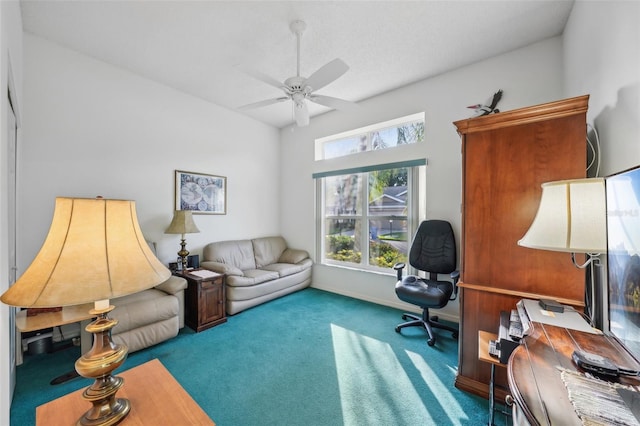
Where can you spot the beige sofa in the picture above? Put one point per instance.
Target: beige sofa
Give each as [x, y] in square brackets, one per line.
[150, 316]
[257, 270]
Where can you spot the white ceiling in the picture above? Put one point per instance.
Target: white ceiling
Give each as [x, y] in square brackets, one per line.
[197, 46]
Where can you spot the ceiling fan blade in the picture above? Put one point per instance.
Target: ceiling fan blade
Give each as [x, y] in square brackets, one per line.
[326, 74]
[332, 102]
[262, 77]
[301, 113]
[264, 103]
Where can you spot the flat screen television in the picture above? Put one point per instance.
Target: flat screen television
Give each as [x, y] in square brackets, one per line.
[623, 258]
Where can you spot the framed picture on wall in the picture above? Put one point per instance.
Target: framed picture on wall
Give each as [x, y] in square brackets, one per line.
[201, 193]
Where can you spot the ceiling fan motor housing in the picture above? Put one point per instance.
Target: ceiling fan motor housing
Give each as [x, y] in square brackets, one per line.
[297, 84]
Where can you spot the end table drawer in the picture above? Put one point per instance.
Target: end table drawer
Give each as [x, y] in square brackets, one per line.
[212, 283]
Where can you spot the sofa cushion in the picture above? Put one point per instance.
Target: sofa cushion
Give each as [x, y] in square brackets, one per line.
[236, 253]
[252, 277]
[267, 250]
[221, 268]
[293, 256]
[280, 286]
[284, 269]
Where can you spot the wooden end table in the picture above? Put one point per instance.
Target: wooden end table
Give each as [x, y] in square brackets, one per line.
[205, 300]
[483, 355]
[155, 395]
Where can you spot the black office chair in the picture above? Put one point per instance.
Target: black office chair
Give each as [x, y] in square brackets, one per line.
[433, 251]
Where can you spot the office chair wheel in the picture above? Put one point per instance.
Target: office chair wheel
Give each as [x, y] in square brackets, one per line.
[398, 327]
[434, 318]
[431, 341]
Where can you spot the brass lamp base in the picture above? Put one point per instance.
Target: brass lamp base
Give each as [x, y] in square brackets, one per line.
[183, 253]
[104, 357]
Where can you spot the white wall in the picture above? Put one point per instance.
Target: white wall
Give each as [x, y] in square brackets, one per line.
[10, 76]
[528, 76]
[94, 129]
[602, 58]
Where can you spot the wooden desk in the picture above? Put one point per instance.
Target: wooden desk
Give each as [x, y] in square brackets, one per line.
[68, 315]
[156, 399]
[535, 381]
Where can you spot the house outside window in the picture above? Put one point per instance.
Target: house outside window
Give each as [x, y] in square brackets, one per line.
[367, 215]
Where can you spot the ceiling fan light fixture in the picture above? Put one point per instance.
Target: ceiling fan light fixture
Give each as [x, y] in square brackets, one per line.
[301, 114]
[298, 98]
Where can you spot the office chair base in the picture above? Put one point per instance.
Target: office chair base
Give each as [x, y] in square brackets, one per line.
[426, 322]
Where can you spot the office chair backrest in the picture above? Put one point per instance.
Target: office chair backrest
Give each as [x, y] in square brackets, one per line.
[434, 248]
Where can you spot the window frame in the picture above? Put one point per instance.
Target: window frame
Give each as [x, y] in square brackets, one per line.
[411, 218]
[319, 154]
[409, 155]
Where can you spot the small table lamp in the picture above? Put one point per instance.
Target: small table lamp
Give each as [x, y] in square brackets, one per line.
[95, 251]
[182, 223]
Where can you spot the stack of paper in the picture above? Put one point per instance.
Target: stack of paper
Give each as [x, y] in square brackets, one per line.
[204, 273]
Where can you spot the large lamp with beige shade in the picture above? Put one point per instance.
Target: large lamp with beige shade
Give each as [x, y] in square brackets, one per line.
[571, 218]
[95, 251]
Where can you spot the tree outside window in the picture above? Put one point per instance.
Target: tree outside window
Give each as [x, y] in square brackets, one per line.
[375, 233]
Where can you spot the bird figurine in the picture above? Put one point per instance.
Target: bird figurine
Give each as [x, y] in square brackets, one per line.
[489, 105]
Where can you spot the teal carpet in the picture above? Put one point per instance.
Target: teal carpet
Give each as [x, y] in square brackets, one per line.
[310, 358]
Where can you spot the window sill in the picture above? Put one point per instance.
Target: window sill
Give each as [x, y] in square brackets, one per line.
[391, 272]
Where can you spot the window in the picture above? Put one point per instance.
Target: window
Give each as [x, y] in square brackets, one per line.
[367, 214]
[391, 134]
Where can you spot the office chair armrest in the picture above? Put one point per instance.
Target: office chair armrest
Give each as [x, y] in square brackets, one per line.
[399, 267]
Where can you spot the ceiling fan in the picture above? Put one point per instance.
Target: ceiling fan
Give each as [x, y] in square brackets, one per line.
[301, 89]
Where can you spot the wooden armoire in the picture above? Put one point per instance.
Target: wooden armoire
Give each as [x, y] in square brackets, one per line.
[505, 158]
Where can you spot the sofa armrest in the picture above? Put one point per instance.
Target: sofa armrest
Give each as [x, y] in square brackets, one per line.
[293, 256]
[173, 285]
[221, 268]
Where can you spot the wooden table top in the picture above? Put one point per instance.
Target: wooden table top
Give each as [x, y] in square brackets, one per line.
[156, 399]
[534, 373]
[483, 347]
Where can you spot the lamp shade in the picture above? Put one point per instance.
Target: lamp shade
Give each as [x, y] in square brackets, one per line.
[95, 250]
[182, 223]
[571, 217]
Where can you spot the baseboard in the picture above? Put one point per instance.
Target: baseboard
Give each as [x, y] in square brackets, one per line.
[384, 302]
[472, 386]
